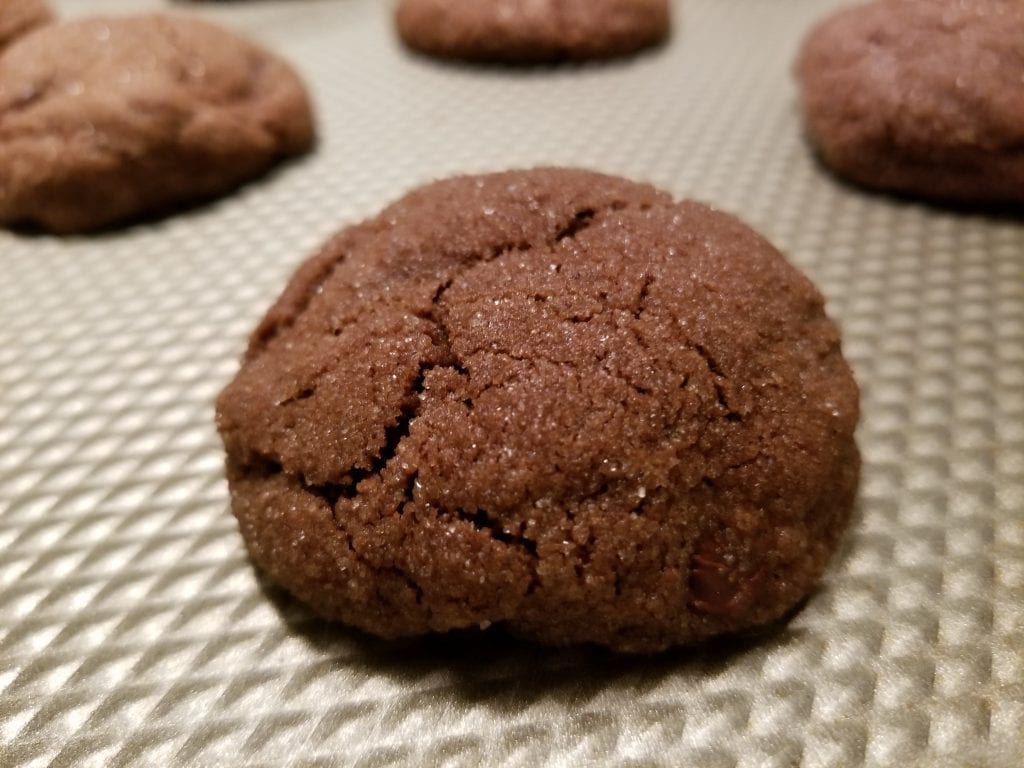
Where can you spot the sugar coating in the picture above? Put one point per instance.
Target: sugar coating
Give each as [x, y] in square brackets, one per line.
[920, 97]
[106, 119]
[531, 31]
[550, 399]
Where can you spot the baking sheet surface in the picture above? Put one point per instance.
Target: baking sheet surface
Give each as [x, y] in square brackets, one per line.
[133, 629]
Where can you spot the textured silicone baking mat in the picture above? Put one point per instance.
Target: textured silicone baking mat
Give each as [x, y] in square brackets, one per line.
[133, 629]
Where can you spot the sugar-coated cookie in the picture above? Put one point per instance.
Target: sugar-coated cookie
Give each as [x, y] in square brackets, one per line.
[108, 119]
[920, 97]
[531, 31]
[550, 399]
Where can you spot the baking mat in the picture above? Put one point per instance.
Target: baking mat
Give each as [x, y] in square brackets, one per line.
[133, 629]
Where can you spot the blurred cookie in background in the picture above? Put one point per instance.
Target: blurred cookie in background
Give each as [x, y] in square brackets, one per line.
[920, 97]
[105, 120]
[531, 31]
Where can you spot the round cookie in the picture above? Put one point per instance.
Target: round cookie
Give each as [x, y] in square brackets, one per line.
[20, 16]
[531, 31]
[550, 399]
[108, 119]
[920, 97]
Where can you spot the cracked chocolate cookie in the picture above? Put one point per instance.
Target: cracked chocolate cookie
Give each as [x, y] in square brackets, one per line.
[920, 97]
[20, 16]
[108, 119]
[550, 399]
[518, 32]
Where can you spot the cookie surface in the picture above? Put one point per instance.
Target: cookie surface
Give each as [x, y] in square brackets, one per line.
[551, 399]
[107, 119]
[531, 31]
[920, 97]
[20, 16]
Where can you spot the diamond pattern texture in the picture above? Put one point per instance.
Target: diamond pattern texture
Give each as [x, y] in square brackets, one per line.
[133, 630]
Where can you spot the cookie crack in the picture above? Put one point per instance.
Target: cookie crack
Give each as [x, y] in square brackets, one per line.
[619, 376]
[394, 435]
[270, 328]
[719, 376]
[259, 464]
[410, 582]
[579, 222]
[435, 316]
[747, 462]
[346, 487]
[408, 491]
[495, 252]
[30, 96]
[645, 292]
[482, 520]
[304, 394]
[585, 555]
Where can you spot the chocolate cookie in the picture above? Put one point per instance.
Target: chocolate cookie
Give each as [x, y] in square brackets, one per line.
[20, 16]
[108, 119]
[921, 97]
[521, 31]
[551, 399]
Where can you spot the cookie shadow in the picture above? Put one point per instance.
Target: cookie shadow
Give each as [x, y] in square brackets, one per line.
[997, 212]
[540, 67]
[504, 673]
[165, 213]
